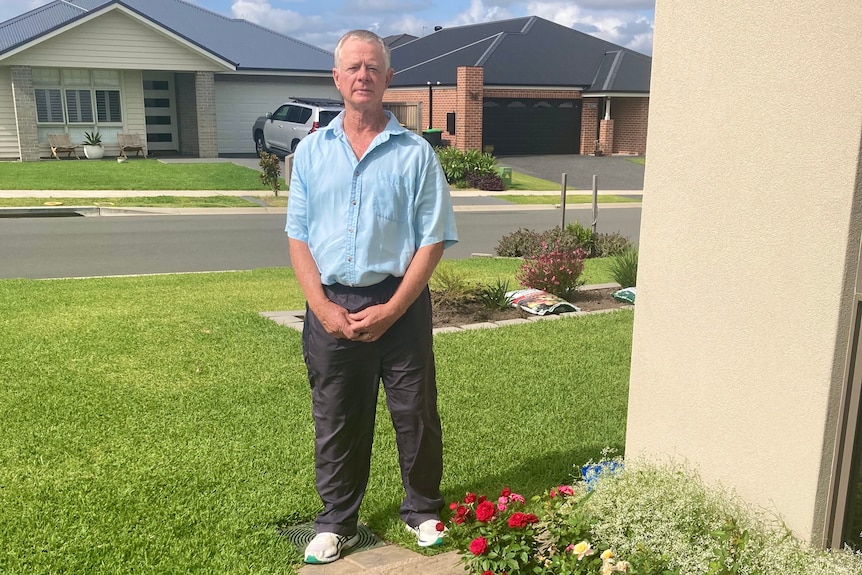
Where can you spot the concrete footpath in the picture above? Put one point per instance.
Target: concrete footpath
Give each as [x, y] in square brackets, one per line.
[57, 202]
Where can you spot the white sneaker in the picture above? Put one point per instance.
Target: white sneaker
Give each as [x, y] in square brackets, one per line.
[427, 534]
[327, 547]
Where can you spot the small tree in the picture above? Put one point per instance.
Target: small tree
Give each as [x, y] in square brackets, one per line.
[271, 170]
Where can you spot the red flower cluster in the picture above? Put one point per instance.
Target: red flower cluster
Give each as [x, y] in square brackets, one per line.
[520, 520]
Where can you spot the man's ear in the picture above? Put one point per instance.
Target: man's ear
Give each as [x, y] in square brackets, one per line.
[389, 75]
[335, 76]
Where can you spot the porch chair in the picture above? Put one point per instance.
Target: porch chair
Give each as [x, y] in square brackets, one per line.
[60, 143]
[130, 143]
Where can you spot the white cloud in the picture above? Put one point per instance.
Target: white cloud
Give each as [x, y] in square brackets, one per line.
[478, 12]
[627, 28]
[262, 12]
[11, 8]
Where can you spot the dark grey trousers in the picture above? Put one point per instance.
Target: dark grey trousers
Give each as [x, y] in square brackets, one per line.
[345, 378]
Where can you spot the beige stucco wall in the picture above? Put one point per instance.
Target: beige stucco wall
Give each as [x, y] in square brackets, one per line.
[749, 245]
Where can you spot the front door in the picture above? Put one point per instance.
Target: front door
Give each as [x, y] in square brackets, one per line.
[160, 110]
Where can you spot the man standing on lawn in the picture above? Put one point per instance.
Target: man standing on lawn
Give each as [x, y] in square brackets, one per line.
[368, 218]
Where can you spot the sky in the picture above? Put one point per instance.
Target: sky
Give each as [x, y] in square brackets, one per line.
[628, 23]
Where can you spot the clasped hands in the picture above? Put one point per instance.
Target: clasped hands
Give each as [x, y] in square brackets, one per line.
[366, 325]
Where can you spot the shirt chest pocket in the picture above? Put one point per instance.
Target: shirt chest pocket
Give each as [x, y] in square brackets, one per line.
[392, 197]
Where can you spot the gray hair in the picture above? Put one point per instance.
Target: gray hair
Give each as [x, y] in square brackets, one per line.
[365, 36]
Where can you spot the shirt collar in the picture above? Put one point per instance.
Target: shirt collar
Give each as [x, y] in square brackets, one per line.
[392, 128]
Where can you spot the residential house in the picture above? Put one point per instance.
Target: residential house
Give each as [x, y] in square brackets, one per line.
[525, 86]
[190, 80]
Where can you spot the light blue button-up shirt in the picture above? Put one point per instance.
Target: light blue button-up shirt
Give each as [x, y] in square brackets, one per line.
[363, 220]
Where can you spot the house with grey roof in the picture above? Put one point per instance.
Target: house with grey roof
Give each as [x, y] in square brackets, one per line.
[191, 81]
[525, 86]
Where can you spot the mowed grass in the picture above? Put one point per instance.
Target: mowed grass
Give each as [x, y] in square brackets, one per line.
[570, 199]
[140, 174]
[487, 270]
[160, 425]
[250, 201]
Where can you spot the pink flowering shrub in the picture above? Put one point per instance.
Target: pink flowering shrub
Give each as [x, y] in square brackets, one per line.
[554, 269]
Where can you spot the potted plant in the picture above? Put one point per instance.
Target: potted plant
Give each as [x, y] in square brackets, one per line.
[93, 145]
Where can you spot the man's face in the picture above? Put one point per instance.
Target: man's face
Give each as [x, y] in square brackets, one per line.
[360, 75]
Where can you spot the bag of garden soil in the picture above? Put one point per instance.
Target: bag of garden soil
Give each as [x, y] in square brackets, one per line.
[538, 302]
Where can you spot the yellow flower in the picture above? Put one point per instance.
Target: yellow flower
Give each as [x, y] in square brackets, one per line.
[583, 549]
[607, 554]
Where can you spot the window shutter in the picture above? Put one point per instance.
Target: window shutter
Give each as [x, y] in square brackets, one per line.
[49, 105]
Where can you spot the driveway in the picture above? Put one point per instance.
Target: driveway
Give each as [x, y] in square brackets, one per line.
[614, 172]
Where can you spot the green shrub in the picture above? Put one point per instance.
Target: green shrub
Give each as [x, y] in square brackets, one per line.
[270, 170]
[519, 244]
[450, 285]
[624, 268]
[554, 269]
[605, 245]
[453, 162]
[570, 238]
[494, 296]
[458, 165]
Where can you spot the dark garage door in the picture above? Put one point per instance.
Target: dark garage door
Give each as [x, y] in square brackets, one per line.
[521, 126]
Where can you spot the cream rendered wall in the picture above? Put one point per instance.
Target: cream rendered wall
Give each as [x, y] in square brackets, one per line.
[8, 126]
[750, 234]
[114, 40]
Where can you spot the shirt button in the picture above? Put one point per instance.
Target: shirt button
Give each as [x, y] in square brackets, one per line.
[350, 230]
[353, 203]
[356, 173]
[350, 259]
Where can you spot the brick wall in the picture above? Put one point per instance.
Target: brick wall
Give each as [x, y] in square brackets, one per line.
[606, 136]
[25, 113]
[206, 114]
[589, 124]
[630, 117]
[468, 108]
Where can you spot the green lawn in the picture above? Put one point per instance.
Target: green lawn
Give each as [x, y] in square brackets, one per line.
[138, 174]
[153, 202]
[570, 199]
[160, 425]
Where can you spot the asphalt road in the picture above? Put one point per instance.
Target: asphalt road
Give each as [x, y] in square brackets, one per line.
[124, 245]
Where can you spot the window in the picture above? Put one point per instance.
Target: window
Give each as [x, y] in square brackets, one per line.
[49, 106]
[108, 106]
[68, 96]
[79, 106]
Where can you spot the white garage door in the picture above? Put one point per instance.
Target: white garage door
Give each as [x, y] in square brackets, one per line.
[241, 99]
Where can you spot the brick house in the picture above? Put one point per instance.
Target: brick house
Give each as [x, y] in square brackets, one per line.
[525, 86]
[188, 80]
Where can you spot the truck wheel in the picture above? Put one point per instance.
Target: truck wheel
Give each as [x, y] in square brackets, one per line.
[293, 146]
[260, 144]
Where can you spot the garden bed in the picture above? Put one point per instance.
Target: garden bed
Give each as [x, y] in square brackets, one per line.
[447, 313]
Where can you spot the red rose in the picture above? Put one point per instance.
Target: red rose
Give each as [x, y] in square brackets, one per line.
[506, 492]
[478, 546]
[440, 527]
[458, 520]
[485, 511]
[488, 572]
[453, 506]
[518, 520]
[530, 518]
[462, 511]
[471, 497]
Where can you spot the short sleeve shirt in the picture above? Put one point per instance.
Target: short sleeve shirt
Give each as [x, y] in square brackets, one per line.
[364, 220]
